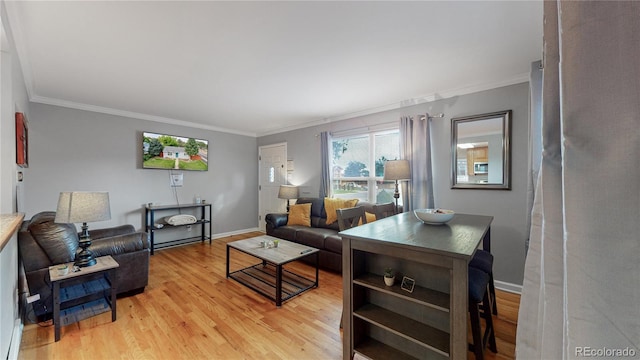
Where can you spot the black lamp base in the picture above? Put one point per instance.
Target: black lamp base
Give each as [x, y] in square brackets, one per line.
[396, 195]
[85, 257]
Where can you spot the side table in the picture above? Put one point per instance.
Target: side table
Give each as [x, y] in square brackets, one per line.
[83, 293]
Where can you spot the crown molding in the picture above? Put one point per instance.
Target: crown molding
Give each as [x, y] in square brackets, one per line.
[135, 115]
[469, 89]
[520, 78]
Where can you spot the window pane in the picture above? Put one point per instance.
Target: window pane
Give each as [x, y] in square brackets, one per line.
[385, 192]
[350, 157]
[348, 189]
[358, 166]
[387, 148]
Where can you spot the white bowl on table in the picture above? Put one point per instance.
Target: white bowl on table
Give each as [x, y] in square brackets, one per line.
[434, 216]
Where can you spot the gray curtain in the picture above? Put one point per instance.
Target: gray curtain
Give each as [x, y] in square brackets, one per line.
[582, 285]
[535, 137]
[415, 146]
[325, 179]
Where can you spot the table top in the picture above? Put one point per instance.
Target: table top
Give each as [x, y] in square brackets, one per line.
[459, 237]
[103, 263]
[9, 224]
[176, 206]
[285, 252]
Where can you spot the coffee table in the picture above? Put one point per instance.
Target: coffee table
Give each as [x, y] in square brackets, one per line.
[268, 277]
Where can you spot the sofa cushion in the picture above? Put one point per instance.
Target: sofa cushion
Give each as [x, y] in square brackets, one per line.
[285, 232]
[313, 237]
[333, 243]
[333, 204]
[59, 241]
[300, 214]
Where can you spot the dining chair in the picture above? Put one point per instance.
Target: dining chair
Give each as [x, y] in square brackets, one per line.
[384, 210]
[350, 217]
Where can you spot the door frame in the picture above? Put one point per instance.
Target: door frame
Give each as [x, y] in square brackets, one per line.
[260, 179]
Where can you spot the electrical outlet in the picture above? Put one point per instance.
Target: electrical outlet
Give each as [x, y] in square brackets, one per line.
[33, 298]
[176, 180]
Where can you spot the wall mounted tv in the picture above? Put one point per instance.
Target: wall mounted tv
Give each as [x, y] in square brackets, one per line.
[162, 151]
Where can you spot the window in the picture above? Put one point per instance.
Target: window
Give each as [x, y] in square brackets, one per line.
[358, 166]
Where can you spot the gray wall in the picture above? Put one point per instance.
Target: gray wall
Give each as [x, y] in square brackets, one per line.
[13, 98]
[509, 208]
[76, 150]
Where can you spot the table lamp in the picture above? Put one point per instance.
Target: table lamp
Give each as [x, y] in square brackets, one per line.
[397, 170]
[288, 192]
[83, 207]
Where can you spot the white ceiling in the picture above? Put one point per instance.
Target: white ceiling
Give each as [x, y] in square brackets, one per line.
[256, 68]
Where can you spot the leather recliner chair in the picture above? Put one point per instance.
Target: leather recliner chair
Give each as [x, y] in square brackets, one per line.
[43, 243]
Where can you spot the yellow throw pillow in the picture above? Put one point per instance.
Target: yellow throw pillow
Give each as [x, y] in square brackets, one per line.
[300, 214]
[370, 218]
[333, 204]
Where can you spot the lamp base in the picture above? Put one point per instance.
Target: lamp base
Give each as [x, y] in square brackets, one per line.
[396, 195]
[85, 257]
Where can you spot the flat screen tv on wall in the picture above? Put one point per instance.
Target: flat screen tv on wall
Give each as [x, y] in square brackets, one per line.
[162, 151]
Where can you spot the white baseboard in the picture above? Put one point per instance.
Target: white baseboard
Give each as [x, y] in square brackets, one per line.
[508, 287]
[16, 338]
[237, 232]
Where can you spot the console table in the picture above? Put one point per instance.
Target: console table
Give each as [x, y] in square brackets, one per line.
[204, 218]
[384, 322]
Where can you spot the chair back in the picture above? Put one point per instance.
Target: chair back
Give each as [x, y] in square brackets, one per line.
[384, 210]
[351, 217]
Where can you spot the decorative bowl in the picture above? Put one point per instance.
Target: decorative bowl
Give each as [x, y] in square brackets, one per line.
[434, 216]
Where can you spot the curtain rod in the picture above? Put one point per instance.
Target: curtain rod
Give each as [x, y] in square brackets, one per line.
[424, 117]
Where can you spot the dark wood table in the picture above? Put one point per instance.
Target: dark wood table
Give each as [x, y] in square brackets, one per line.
[389, 322]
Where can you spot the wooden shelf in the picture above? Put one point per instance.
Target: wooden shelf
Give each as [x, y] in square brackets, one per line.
[81, 294]
[81, 290]
[83, 311]
[373, 349]
[423, 296]
[262, 278]
[422, 334]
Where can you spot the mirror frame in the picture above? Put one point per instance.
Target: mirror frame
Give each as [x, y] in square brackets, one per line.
[506, 151]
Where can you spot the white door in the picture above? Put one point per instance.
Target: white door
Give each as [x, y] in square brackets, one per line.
[272, 166]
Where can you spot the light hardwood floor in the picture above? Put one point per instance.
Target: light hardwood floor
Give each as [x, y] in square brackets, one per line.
[190, 310]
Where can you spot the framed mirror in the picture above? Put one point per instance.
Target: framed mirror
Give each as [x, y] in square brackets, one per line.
[481, 152]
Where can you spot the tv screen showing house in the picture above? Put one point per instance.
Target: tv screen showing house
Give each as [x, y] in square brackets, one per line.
[162, 151]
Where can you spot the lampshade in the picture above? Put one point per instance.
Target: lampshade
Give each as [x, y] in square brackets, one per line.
[288, 192]
[83, 207]
[396, 170]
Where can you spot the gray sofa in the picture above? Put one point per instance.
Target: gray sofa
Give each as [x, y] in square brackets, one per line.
[319, 235]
